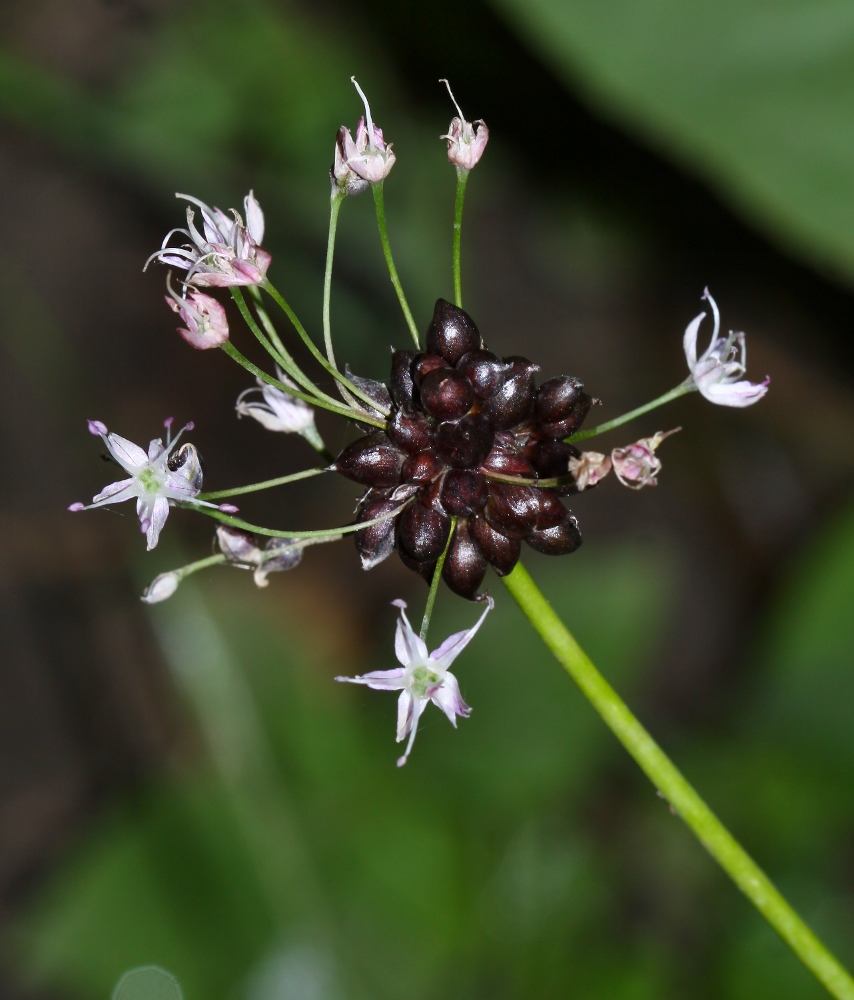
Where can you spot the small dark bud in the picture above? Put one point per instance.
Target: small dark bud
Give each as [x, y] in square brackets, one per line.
[550, 458]
[465, 443]
[446, 394]
[423, 569]
[571, 423]
[409, 431]
[452, 332]
[519, 510]
[500, 551]
[400, 384]
[513, 400]
[509, 461]
[484, 370]
[465, 566]
[423, 532]
[556, 398]
[464, 493]
[421, 468]
[372, 461]
[557, 541]
[376, 543]
[424, 364]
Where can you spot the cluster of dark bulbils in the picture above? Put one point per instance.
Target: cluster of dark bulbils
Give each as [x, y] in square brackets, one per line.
[463, 425]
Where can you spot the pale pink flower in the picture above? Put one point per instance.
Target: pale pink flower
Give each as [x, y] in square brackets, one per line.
[637, 465]
[588, 470]
[227, 253]
[207, 324]
[368, 156]
[421, 678]
[466, 141]
[276, 409]
[717, 371]
[157, 480]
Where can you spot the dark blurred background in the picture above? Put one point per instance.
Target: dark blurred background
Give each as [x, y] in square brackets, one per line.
[184, 785]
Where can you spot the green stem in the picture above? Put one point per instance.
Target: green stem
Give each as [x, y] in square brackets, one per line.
[462, 180]
[333, 407]
[434, 583]
[237, 522]
[717, 840]
[194, 567]
[315, 353]
[277, 350]
[668, 397]
[266, 485]
[335, 203]
[379, 202]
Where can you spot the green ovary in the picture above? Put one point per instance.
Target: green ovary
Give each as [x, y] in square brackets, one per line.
[422, 678]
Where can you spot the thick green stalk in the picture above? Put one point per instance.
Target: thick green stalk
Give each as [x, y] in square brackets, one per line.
[668, 397]
[379, 202]
[714, 836]
[462, 179]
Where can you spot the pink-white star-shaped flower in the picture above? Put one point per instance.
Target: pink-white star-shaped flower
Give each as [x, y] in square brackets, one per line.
[227, 253]
[717, 372]
[422, 677]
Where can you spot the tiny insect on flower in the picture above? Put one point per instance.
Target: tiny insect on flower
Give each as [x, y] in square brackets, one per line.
[158, 479]
[421, 678]
[717, 371]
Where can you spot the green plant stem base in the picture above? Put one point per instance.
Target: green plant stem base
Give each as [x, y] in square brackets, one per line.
[671, 784]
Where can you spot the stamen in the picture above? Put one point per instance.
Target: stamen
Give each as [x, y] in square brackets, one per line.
[96, 428]
[228, 508]
[451, 93]
[361, 92]
[715, 312]
[74, 507]
[144, 525]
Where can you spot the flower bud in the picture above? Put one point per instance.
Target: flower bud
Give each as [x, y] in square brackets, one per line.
[446, 394]
[421, 468]
[637, 465]
[372, 461]
[279, 555]
[426, 363]
[464, 444]
[465, 566]
[500, 551]
[237, 546]
[513, 401]
[376, 543]
[556, 398]
[409, 431]
[518, 510]
[423, 532]
[484, 370]
[452, 332]
[559, 540]
[573, 420]
[161, 588]
[466, 143]
[506, 458]
[464, 493]
[400, 384]
[589, 469]
[550, 457]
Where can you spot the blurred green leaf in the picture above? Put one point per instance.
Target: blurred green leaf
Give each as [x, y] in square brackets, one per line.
[755, 96]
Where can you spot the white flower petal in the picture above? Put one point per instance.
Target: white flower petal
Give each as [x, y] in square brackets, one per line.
[159, 513]
[254, 217]
[409, 648]
[447, 697]
[379, 680]
[115, 492]
[689, 340]
[129, 455]
[451, 648]
[405, 713]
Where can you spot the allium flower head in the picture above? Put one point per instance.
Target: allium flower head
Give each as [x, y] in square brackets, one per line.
[207, 325]
[276, 410]
[365, 159]
[421, 678]
[466, 141]
[716, 372]
[637, 465]
[156, 480]
[227, 253]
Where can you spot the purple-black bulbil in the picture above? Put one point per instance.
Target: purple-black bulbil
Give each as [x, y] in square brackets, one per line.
[463, 423]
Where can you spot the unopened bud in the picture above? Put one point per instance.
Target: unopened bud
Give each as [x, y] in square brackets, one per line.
[588, 470]
[466, 141]
[237, 546]
[161, 588]
[637, 465]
